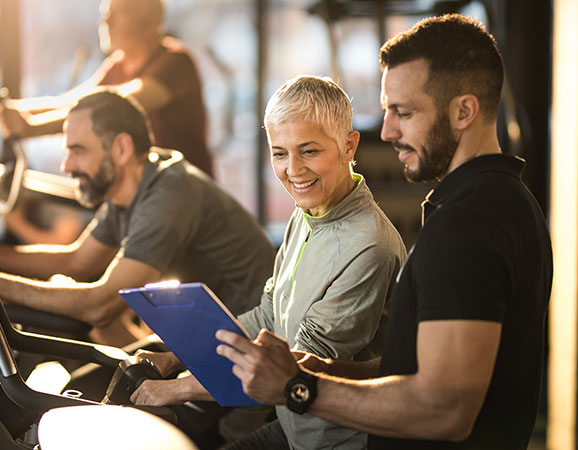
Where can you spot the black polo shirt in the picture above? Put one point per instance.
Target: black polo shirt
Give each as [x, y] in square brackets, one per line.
[484, 253]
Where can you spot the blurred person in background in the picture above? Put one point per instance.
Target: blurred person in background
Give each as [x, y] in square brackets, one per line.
[143, 63]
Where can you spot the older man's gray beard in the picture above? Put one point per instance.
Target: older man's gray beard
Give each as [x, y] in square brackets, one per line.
[94, 191]
[437, 156]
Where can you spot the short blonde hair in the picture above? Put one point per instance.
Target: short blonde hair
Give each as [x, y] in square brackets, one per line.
[312, 99]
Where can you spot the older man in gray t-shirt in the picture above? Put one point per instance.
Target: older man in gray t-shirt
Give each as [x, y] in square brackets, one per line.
[184, 225]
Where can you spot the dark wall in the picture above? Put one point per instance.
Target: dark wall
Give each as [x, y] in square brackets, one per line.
[523, 29]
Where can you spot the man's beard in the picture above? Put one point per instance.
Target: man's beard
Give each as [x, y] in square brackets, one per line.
[436, 154]
[92, 194]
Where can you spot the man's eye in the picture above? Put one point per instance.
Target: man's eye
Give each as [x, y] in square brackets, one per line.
[310, 151]
[278, 154]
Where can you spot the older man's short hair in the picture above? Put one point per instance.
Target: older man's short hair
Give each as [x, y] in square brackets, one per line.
[113, 114]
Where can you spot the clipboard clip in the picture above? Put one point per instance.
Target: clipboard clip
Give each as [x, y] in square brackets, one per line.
[165, 284]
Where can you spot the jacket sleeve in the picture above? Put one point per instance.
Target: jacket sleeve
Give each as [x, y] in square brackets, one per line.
[349, 320]
[262, 315]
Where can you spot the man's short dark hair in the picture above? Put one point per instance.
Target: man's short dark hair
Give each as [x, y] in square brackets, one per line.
[463, 59]
[113, 114]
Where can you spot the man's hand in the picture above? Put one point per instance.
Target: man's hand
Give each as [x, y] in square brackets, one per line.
[264, 366]
[13, 123]
[165, 362]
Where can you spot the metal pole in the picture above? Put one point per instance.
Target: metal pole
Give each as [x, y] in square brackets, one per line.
[10, 46]
[261, 73]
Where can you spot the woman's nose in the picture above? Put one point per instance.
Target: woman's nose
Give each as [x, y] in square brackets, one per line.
[295, 165]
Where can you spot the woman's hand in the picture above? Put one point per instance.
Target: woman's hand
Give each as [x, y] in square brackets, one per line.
[169, 392]
[165, 362]
[312, 362]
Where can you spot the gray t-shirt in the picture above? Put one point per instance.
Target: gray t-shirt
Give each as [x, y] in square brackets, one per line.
[188, 228]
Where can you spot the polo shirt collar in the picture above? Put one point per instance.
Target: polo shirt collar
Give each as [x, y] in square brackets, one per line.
[464, 174]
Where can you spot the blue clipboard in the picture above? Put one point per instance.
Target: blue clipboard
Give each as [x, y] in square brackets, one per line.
[186, 317]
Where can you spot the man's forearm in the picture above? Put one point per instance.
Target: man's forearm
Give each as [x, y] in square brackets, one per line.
[36, 105]
[37, 261]
[391, 406]
[50, 122]
[83, 301]
[440, 402]
[23, 124]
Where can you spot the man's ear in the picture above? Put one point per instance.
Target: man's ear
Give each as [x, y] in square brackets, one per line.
[351, 146]
[463, 111]
[123, 147]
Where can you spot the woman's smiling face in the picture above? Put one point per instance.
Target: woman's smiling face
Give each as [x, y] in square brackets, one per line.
[310, 165]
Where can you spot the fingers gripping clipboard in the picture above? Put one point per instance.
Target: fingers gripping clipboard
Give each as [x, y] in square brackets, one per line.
[186, 317]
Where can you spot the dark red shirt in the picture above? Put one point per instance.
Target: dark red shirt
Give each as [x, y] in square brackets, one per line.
[181, 124]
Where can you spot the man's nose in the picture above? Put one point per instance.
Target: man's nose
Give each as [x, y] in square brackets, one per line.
[67, 165]
[390, 129]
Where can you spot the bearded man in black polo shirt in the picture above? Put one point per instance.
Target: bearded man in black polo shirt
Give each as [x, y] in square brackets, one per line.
[462, 362]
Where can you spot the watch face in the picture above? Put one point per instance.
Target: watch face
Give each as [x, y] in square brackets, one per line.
[299, 393]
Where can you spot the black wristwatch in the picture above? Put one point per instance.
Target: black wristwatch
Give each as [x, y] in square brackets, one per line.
[300, 392]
